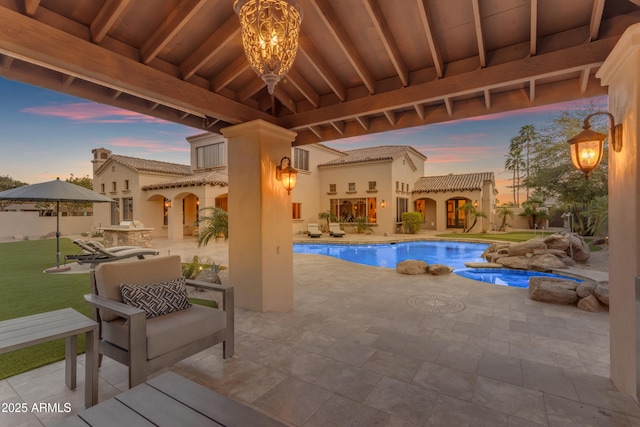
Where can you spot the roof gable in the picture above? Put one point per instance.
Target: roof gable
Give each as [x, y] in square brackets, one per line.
[451, 182]
[144, 165]
[373, 154]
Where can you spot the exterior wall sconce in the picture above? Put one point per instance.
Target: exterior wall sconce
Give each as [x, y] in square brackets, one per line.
[475, 203]
[383, 204]
[270, 30]
[167, 204]
[588, 146]
[287, 175]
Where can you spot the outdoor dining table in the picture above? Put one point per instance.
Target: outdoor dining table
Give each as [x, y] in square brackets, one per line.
[170, 400]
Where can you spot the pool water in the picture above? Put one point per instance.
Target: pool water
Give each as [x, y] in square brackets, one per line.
[453, 254]
[505, 277]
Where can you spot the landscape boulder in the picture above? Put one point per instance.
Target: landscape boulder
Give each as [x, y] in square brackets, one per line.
[412, 266]
[517, 262]
[439, 269]
[545, 262]
[602, 293]
[579, 249]
[553, 290]
[557, 241]
[585, 289]
[592, 304]
[528, 246]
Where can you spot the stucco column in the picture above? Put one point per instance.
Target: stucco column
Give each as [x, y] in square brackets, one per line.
[260, 233]
[174, 220]
[621, 72]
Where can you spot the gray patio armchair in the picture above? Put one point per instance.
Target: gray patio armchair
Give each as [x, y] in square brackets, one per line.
[144, 343]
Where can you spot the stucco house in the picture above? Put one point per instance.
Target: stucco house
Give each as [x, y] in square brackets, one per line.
[378, 183]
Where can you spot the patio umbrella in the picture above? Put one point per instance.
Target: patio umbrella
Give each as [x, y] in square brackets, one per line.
[54, 191]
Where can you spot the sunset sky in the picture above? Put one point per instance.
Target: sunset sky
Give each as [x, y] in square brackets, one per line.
[46, 135]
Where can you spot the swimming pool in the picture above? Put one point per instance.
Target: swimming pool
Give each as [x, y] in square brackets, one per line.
[453, 254]
[504, 276]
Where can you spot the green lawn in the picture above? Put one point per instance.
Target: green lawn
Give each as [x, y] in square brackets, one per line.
[25, 290]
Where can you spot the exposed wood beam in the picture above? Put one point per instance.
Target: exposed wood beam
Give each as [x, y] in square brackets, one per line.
[332, 22]
[391, 116]
[487, 98]
[67, 80]
[303, 87]
[551, 93]
[339, 126]
[380, 23]
[558, 63]
[532, 90]
[31, 6]
[114, 94]
[226, 76]
[6, 62]
[427, 23]
[477, 21]
[250, 88]
[153, 105]
[449, 104]
[174, 22]
[584, 79]
[211, 47]
[364, 122]
[307, 49]
[315, 131]
[420, 110]
[284, 99]
[105, 19]
[534, 28]
[40, 44]
[596, 19]
[209, 122]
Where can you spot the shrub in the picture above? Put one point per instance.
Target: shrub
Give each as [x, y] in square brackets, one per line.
[411, 222]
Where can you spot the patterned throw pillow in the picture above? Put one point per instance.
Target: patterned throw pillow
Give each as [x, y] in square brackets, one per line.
[157, 298]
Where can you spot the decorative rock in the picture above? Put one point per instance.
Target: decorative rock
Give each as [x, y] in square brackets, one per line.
[208, 276]
[569, 262]
[579, 248]
[546, 262]
[558, 253]
[18, 237]
[439, 269]
[412, 266]
[518, 262]
[557, 241]
[551, 289]
[526, 247]
[602, 293]
[591, 304]
[585, 289]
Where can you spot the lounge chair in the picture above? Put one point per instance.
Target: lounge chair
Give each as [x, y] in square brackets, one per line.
[107, 255]
[334, 230]
[313, 231]
[155, 329]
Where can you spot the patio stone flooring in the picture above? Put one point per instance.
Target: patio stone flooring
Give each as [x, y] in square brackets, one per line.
[355, 352]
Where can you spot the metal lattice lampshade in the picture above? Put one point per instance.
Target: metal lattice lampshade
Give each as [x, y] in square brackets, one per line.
[270, 30]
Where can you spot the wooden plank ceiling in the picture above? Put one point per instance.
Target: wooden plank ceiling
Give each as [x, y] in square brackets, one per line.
[364, 66]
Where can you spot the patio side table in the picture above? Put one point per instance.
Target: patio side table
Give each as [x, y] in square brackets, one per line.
[67, 323]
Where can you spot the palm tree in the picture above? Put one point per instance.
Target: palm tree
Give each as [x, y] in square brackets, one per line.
[215, 224]
[328, 216]
[515, 162]
[504, 212]
[471, 211]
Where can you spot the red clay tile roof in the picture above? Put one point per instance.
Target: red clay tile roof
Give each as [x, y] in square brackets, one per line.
[144, 165]
[211, 178]
[451, 182]
[383, 152]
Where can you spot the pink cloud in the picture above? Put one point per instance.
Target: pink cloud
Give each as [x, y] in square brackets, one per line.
[153, 146]
[91, 113]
